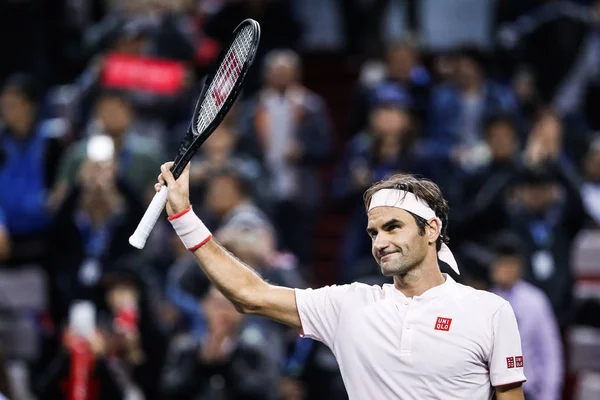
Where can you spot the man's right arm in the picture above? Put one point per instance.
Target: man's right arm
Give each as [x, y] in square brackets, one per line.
[239, 283]
[245, 288]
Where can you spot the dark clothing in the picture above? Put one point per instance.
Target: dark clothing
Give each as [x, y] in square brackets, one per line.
[250, 373]
[547, 237]
[78, 252]
[52, 383]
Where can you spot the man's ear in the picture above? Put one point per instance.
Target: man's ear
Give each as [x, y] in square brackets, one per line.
[433, 230]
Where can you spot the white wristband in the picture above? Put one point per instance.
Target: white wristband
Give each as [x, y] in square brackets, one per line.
[190, 229]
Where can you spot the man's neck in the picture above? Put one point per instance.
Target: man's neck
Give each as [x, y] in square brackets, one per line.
[419, 280]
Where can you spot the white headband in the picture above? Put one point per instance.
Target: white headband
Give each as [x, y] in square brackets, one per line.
[409, 202]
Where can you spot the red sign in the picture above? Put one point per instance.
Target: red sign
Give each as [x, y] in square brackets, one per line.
[519, 361]
[443, 324]
[153, 75]
[510, 362]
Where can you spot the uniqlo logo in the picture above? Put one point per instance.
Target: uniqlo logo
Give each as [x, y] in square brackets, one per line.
[442, 324]
[519, 361]
[510, 362]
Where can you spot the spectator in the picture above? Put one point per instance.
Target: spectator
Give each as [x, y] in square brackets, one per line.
[496, 168]
[590, 191]
[91, 230]
[229, 194]
[99, 379]
[292, 129]
[220, 151]
[458, 110]
[137, 157]
[311, 372]
[402, 73]
[29, 150]
[131, 324]
[542, 345]
[237, 358]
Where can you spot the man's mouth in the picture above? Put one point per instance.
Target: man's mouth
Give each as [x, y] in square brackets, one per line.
[386, 256]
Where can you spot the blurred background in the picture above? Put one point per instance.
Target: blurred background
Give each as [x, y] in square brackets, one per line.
[495, 100]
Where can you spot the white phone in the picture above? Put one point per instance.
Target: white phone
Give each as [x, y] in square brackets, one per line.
[100, 148]
[82, 319]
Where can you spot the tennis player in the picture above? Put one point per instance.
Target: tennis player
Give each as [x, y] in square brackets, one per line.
[423, 337]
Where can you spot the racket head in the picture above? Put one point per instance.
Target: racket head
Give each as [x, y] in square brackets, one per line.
[220, 90]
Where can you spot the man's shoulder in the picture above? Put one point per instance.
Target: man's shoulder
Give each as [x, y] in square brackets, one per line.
[483, 300]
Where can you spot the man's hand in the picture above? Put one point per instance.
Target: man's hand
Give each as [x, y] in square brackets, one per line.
[179, 190]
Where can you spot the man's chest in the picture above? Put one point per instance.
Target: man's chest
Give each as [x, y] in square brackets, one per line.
[412, 336]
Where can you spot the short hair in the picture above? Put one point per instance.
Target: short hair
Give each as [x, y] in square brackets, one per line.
[25, 84]
[499, 119]
[507, 244]
[425, 190]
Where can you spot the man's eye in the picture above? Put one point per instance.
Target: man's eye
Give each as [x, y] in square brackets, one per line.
[392, 227]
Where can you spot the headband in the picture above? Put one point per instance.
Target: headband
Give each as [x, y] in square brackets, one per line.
[409, 202]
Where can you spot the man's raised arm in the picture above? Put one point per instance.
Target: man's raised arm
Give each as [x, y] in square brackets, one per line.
[239, 283]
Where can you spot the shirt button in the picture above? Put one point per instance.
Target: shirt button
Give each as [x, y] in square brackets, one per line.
[406, 302]
[408, 327]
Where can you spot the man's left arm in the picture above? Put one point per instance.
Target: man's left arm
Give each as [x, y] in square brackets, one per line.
[506, 358]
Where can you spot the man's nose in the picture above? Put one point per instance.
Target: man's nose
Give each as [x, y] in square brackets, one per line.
[381, 242]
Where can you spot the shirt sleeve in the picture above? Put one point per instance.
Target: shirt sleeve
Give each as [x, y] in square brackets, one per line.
[506, 359]
[319, 311]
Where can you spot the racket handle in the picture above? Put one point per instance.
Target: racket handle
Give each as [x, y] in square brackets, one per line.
[139, 237]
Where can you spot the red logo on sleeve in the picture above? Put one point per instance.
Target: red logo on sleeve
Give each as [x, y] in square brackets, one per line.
[442, 324]
[519, 361]
[510, 362]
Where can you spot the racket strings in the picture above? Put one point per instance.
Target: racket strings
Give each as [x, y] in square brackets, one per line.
[226, 77]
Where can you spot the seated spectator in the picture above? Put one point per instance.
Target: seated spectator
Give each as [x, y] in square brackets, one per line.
[237, 358]
[458, 110]
[137, 158]
[29, 150]
[590, 190]
[291, 129]
[540, 336]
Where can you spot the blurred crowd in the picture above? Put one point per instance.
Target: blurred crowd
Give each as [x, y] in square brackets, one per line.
[494, 100]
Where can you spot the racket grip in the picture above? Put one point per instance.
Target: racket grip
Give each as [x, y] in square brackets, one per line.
[139, 237]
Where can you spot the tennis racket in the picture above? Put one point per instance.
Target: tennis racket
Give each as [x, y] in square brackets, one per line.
[220, 90]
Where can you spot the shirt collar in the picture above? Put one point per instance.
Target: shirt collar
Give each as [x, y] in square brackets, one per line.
[437, 291]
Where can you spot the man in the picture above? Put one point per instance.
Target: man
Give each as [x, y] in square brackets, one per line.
[542, 347]
[425, 336]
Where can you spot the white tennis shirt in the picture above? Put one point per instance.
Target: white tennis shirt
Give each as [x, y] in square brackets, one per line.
[452, 342]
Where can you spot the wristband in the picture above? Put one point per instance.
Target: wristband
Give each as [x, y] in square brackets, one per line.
[190, 229]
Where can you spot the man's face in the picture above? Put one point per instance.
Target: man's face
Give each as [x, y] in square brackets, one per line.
[396, 243]
[220, 313]
[15, 110]
[400, 62]
[467, 72]
[506, 271]
[539, 197]
[502, 140]
[223, 194]
[115, 116]
[281, 74]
